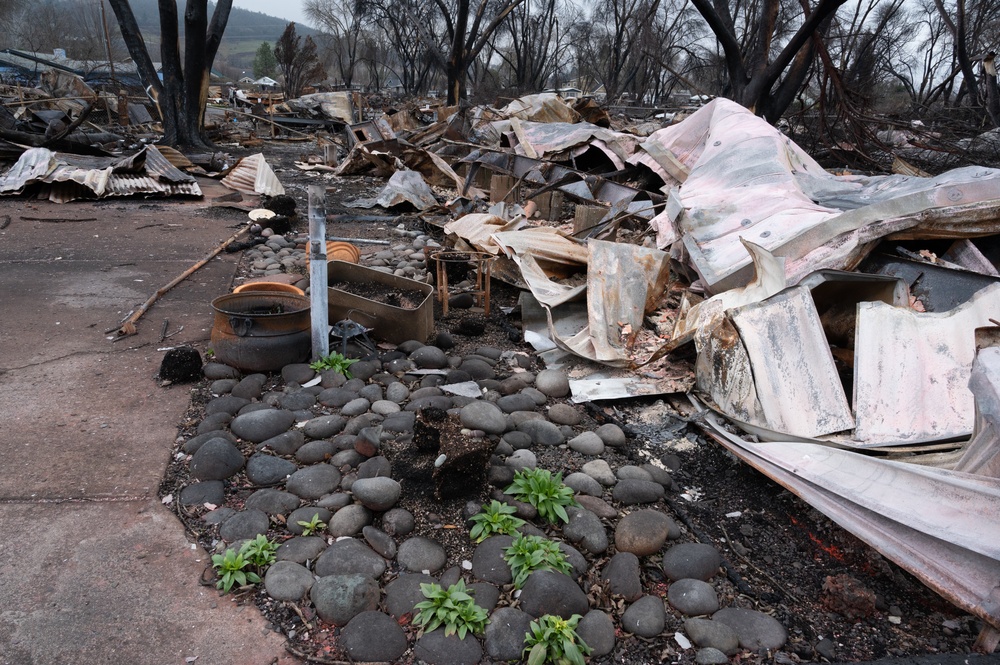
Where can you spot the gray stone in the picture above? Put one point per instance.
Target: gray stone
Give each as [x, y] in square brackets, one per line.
[440, 402]
[385, 407]
[340, 598]
[214, 422]
[710, 656]
[286, 443]
[287, 580]
[250, 387]
[323, 427]
[713, 634]
[359, 423]
[693, 597]
[244, 525]
[658, 475]
[586, 530]
[297, 401]
[336, 501]
[552, 382]
[258, 426]
[355, 407]
[264, 470]
[485, 595]
[632, 472]
[380, 541]
[598, 506]
[518, 402]
[754, 629]
[398, 522]
[217, 459]
[698, 561]
[643, 532]
[316, 451]
[336, 397]
[522, 459]
[363, 370]
[623, 577]
[597, 631]
[436, 648]
[517, 440]
[218, 516]
[549, 592]
[583, 484]
[645, 617]
[379, 494]
[313, 481]
[600, 471]
[419, 554]
[209, 491]
[372, 392]
[477, 368]
[374, 467]
[226, 404]
[564, 414]
[297, 373]
[632, 492]
[349, 458]
[349, 521]
[574, 558]
[373, 637]
[192, 445]
[404, 592]
[215, 371]
[429, 357]
[301, 549]
[587, 443]
[273, 501]
[535, 394]
[349, 556]
[505, 633]
[542, 432]
[612, 435]
[483, 416]
[397, 392]
[488, 563]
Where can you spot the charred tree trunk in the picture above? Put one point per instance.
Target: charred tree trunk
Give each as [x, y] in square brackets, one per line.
[183, 93]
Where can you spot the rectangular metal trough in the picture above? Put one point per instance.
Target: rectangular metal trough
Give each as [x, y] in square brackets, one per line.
[389, 323]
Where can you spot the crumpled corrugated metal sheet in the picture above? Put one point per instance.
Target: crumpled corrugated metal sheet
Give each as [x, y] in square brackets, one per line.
[253, 175]
[982, 454]
[912, 369]
[543, 107]
[748, 181]
[67, 177]
[936, 524]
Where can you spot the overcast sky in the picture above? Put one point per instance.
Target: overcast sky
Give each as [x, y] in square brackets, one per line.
[290, 10]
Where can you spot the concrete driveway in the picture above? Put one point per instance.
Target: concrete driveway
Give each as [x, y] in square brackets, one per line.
[93, 568]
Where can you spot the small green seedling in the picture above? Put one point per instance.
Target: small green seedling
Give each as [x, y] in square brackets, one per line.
[231, 569]
[452, 608]
[495, 518]
[336, 362]
[552, 639]
[312, 526]
[544, 491]
[530, 553]
[259, 552]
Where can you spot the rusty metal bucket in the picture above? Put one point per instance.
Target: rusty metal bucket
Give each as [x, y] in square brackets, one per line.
[259, 331]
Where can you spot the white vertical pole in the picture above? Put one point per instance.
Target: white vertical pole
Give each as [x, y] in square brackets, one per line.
[317, 272]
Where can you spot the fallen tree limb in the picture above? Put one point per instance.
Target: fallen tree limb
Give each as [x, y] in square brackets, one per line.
[128, 325]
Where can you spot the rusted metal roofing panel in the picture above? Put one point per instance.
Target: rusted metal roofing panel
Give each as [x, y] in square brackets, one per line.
[158, 166]
[797, 383]
[912, 369]
[252, 175]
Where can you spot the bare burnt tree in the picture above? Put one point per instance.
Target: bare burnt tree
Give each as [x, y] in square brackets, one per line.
[973, 30]
[412, 54]
[468, 32]
[611, 44]
[762, 76]
[343, 23]
[528, 45]
[182, 94]
[297, 61]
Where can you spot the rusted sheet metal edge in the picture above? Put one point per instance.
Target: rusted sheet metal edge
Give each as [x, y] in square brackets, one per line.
[962, 576]
[252, 175]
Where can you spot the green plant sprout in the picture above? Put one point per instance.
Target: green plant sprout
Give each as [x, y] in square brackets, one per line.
[495, 518]
[552, 639]
[336, 362]
[452, 608]
[544, 491]
[530, 553]
[312, 526]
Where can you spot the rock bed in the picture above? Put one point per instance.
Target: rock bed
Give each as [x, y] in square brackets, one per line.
[329, 450]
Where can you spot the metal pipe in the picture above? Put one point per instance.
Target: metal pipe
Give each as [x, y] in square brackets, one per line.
[317, 273]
